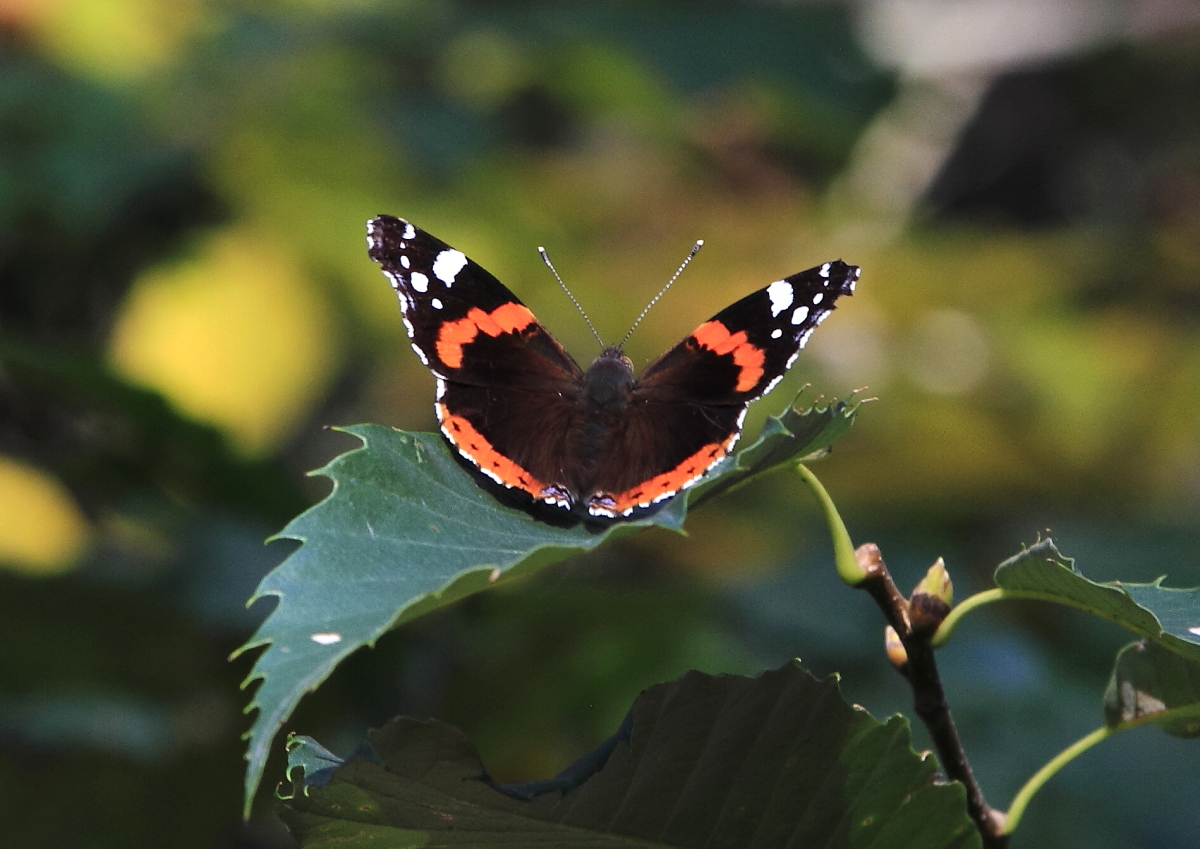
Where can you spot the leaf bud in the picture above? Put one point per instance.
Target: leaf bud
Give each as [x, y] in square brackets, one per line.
[896, 654]
[931, 600]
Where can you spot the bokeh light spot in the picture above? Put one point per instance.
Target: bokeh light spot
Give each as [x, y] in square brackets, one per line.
[41, 529]
[117, 40]
[949, 353]
[237, 337]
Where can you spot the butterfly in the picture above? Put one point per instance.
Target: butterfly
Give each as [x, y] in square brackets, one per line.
[601, 443]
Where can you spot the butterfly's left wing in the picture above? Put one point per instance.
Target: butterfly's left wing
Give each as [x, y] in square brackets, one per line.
[689, 404]
[465, 325]
[504, 384]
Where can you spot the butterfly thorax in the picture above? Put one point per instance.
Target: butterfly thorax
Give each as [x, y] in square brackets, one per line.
[608, 383]
[600, 413]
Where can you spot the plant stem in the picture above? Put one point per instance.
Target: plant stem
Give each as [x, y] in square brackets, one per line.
[1021, 800]
[864, 568]
[844, 557]
[929, 699]
[962, 609]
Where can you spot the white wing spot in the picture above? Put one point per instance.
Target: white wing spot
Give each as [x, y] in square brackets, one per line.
[447, 265]
[410, 232]
[817, 298]
[781, 294]
[326, 638]
[419, 281]
[824, 272]
[436, 303]
[404, 260]
[776, 333]
[799, 315]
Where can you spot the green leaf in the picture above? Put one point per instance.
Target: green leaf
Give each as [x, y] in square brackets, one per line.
[778, 760]
[1151, 681]
[799, 434]
[1041, 572]
[407, 530]
[315, 762]
[1177, 611]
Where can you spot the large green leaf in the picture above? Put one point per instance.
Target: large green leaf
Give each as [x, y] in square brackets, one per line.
[710, 761]
[407, 529]
[1148, 681]
[1167, 616]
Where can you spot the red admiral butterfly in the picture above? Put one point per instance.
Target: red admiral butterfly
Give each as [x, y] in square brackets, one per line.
[600, 443]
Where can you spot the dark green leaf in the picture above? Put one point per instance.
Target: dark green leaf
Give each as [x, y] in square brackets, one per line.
[407, 529]
[1149, 680]
[711, 761]
[1042, 572]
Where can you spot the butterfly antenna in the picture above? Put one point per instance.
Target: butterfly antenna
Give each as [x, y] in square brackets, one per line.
[550, 265]
[696, 247]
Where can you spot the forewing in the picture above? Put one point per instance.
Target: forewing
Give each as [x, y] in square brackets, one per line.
[450, 303]
[744, 350]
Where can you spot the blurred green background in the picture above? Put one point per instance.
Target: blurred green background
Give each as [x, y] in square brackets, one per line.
[186, 303]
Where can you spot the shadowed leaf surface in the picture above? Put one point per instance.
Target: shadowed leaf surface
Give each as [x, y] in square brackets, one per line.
[711, 761]
[1149, 680]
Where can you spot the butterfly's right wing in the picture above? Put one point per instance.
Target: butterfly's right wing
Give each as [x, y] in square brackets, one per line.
[742, 352]
[689, 403]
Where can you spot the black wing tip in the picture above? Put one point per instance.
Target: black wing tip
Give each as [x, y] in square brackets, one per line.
[842, 275]
[385, 220]
[384, 235]
[384, 223]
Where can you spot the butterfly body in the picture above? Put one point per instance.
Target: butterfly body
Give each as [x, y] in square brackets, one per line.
[604, 443]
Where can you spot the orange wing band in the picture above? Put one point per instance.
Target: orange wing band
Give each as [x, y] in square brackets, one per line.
[749, 358]
[670, 482]
[454, 335]
[481, 452]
